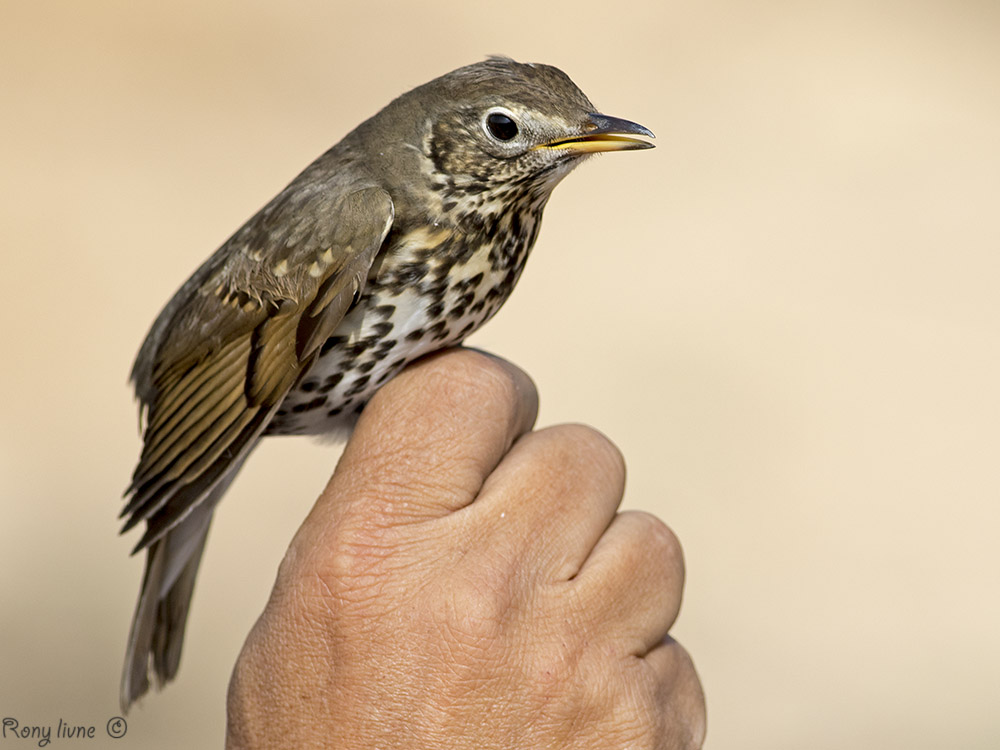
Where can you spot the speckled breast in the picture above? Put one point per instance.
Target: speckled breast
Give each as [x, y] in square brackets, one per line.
[430, 289]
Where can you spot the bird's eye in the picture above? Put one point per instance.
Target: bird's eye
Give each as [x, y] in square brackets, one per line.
[501, 126]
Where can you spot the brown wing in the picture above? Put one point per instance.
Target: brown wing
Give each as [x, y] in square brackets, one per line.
[238, 336]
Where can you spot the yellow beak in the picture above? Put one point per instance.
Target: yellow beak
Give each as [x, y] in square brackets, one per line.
[603, 133]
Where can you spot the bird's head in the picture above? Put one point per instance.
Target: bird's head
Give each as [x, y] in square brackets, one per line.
[500, 131]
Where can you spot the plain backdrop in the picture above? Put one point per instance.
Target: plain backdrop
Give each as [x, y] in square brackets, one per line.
[785, 315]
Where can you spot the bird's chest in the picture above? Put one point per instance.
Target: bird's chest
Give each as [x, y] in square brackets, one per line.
[431, 289]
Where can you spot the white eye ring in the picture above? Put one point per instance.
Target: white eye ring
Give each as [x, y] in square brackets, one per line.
[501, 125]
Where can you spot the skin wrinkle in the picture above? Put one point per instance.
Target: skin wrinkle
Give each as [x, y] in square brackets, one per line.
[357, 594]
[466, 464]
[467, 688]
[526, 473]
[592, 464]
[652, 541]
[401, 448]
[463, 619]
[475, 604]
[469, 699]
[637, 710]
[399, 502]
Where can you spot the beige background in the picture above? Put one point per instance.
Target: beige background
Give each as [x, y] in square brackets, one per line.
[786, 315]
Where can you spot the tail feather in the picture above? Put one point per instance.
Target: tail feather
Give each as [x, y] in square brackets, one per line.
[157, 633]
[135, 679]
[172, 616]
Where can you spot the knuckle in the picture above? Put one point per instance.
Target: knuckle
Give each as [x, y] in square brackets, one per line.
[457, 381]
[593, 441]
[356, 568]
[463, 374]
[470, 609]
[652, 714]
[589, 448]
[659, 541]
[690, 702]
[475, 378]
[675, 697]
[476, 366]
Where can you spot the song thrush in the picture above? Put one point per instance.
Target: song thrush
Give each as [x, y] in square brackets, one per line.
[402, 239]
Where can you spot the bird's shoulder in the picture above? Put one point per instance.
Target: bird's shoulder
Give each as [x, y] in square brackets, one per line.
[325, 225]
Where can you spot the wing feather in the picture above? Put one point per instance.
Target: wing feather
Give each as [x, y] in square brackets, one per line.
[186, 393]
[238, 336]
[208, 403]
[274, 366]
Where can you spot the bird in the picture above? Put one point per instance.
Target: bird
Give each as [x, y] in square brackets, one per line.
[400, 240]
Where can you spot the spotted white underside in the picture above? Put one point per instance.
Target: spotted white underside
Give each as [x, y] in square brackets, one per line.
[340, 382]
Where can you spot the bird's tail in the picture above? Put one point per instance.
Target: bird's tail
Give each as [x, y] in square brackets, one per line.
[157, 633]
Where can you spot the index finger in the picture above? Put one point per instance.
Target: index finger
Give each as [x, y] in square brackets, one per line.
[428, 439]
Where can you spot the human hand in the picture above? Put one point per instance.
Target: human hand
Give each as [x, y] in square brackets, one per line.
[465, 583]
